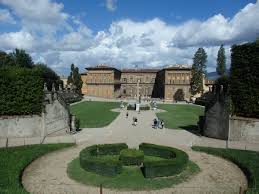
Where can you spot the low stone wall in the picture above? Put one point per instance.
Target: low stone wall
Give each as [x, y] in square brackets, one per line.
[54, 118]
[244, 129]
[21, 126]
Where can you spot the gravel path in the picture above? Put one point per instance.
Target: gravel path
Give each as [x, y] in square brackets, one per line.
[48, 173]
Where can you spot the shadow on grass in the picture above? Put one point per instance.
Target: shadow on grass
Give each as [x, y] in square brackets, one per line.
[192, 129]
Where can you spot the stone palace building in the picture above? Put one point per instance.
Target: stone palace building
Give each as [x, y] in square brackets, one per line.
[109, 82]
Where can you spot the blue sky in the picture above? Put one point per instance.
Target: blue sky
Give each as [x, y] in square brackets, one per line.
[123, 33]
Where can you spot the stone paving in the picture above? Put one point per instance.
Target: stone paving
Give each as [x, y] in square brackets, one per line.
[48, 173]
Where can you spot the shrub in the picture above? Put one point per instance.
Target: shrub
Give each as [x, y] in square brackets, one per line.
[77, 123]
[145, 108]
[90, 159]
[176, 162]
[131, 157]
[244, 79]
[130, 107]
[21, 91]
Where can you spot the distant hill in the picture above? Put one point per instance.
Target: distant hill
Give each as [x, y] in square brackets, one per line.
[213, 75]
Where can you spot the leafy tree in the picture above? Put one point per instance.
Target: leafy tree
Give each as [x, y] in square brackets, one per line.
[48, 75]
[75, 78]
[21, 58]
[6, 59]
[179, 95]
[221, 61]
[198, 70]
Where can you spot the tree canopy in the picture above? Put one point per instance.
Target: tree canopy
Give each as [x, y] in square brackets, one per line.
[75, 79]
[198, 71]
[221, 61]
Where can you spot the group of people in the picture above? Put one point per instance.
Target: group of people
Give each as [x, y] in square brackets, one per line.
[158, 123]
[135, 119]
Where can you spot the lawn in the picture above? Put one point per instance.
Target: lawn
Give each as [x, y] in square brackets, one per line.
[131, 178]
[248, 161]
[14, 160]
[180, 116]
[95, 114]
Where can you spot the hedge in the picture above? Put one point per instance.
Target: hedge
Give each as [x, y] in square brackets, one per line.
[131, 157]
[21, 91]
[176, 162]
[131, 107]
[90, 159]
[244, 79]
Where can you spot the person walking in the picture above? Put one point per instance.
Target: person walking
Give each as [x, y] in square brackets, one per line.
[136, 121]
[155, 123]
[127, 115]
[162, 124]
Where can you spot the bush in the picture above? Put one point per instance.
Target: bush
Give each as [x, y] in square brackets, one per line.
[176, 162]
[90, 159]
[77, 123]
[21, 91]
[244, 79]
[131, 107]
[131, 157]
[145, 108]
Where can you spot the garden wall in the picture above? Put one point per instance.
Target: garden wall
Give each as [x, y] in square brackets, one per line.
[55, 117]
[244, 129]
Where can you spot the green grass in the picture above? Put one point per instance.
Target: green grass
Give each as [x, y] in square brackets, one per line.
[131, 178]
[14, 160]
[95, 114]
[180, 116]
[248, 161]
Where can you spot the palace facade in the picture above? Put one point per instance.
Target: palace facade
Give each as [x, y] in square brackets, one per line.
[109, 82]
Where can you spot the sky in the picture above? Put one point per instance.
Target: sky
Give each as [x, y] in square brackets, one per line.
[125, 33]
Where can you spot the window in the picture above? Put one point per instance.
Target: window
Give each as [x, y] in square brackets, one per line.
[124, 91]
[124, 80]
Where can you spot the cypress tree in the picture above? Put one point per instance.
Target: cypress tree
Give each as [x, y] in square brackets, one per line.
[198, 70]
[221, 61]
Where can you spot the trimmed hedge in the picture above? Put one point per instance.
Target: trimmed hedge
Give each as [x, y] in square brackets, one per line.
[176, 162]
[244, 79]
[131, 107]
[132, 157]
[90, 160]
[21, 91]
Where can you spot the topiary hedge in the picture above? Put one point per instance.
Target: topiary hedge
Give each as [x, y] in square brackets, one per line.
[21, 91]
[90, 159]
[145, 108]
[176, 162]
[244, 79]
[131, 157]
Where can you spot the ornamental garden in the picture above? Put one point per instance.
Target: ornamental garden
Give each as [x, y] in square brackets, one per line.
[98, 147]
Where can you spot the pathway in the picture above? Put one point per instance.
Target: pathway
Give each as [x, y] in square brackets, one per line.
[48, 173]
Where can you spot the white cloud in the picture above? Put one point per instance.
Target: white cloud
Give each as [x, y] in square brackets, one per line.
[6, 17]
[125, 43]
[111, 5]
[40, 15]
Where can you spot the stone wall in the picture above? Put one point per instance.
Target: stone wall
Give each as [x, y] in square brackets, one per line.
[244, 129]
[55, 117]
[21, 126]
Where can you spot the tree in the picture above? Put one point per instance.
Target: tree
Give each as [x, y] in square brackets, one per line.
[179, 95]
[21, 58]
[75, 78]
[198, 71]
[48, 75]
[6, 59]
[221, 61]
